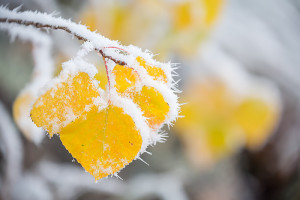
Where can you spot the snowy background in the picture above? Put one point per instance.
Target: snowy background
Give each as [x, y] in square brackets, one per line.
[252, 48]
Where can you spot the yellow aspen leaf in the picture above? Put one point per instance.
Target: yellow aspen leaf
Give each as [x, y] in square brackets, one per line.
[103, 130]
[223, 121]
[212, 10]
[20, 103]
[223, 137]
[101, 77]
[183, 15]
[103, 142]
[21, 114]
[155, 72]
[125, 78]
[112, 17]
[63, 104]
[120, 18]
[204, 150]
[90, 19]
[153, 105]
[189, 23]
[151, 102]
[257, 119]
[208, 119]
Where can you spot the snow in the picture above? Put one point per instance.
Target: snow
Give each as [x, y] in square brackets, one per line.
[127, 54]
[96, 40]
[43, 71]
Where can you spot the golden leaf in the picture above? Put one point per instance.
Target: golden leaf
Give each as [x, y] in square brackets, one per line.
[153, 105]
[103, 142]
[63, 104]
[96, 132]
[150, 101]
[257, 119]
[156, 73]
[125, 78]
[212, 8]
[219, 122]
[21, 114]
[184, 26]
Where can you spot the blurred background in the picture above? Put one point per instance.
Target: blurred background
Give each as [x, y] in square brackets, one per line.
[239, 69]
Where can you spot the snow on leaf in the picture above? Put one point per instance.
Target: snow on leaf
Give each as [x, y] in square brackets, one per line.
[150, 100]
[103, 130]
[64, 103]
[153, 105]
[155, 72]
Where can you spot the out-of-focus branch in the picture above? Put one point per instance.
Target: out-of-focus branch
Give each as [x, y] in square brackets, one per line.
[71, 179]
[12, 148]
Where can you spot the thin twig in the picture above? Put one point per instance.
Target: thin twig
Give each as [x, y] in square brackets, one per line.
[40, 25]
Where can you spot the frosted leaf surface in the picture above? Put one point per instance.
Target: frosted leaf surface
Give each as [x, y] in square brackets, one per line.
[138, 100]
[105, 129]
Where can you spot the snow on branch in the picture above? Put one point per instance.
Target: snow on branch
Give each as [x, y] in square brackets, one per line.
[48, 21]
[109, 49]
[41, 52]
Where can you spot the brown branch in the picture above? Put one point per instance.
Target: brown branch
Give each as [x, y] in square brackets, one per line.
[39, 25]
